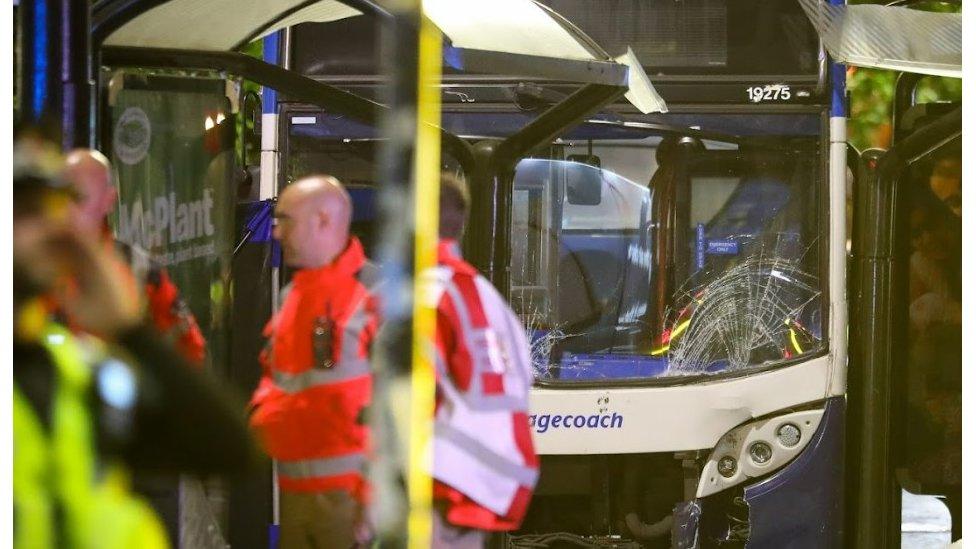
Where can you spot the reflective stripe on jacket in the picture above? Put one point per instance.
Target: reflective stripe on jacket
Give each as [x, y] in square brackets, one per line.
[482, 442]
[63, 497]
[309, 407]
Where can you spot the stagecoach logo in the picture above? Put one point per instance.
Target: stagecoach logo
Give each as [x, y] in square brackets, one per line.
[132, 136]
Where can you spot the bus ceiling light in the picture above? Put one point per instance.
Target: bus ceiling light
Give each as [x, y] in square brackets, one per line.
[757, 449]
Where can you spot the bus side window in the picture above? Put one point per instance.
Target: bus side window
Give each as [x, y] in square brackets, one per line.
[530, 240]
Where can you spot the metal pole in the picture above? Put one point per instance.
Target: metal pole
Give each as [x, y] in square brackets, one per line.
[492, 182]
[427, 154]
[76, 74]
[872, 484]
[411, 48]
[905, 86]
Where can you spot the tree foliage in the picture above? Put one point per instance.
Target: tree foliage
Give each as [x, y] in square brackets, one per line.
[872, 91]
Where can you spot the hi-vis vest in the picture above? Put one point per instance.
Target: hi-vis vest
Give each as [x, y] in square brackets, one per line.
[482, 441]
[61, 498]
[317, 382]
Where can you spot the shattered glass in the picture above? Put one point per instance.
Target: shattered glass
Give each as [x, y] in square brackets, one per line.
[738, 289]
[745, 315]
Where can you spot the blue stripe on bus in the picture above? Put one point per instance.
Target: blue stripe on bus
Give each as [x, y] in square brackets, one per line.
[269, 97]
[838, 90]
[838, 81]
[610, 366]
[40, 61]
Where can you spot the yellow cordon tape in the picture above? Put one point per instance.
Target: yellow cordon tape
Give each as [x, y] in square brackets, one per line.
[427, 155]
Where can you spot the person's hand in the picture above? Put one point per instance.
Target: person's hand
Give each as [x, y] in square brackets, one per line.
[97, 298]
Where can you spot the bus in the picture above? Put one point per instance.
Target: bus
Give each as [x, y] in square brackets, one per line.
[681, 274]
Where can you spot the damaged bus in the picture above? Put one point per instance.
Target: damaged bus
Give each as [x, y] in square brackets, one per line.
[681, 273]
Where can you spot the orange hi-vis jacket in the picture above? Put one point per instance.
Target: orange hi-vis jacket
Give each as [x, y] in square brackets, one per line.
[317, 382]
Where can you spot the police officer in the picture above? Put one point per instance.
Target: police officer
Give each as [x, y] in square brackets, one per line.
[90, 175]
[87, 409]
[309, 405]
[485, 466]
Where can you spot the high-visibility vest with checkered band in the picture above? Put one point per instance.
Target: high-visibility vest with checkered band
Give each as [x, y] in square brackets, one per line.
[482, 441]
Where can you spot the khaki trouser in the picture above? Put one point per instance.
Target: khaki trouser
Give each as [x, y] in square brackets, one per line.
[447, 536]
[318, 520]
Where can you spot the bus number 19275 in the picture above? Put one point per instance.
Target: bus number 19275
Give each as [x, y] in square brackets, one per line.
[769, 92]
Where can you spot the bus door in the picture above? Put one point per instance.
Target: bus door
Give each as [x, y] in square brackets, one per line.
[929, 389]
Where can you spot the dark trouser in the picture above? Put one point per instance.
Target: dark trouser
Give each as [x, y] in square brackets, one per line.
[447, 536]
[318, 520]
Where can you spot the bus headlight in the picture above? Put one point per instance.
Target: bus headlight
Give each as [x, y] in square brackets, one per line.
[788, 435]
[757, 448]
[761, 453]
[726, 466]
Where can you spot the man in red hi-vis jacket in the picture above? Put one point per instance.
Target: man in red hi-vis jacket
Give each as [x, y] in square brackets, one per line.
[485, 466]
[310, 403]
[90, 173]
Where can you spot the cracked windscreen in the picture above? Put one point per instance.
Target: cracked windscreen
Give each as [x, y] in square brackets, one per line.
[667, 256]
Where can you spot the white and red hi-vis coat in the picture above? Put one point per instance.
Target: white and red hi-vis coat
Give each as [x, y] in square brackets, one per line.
[484, 465]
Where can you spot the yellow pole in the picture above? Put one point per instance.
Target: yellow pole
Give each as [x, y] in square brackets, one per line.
[427, 154]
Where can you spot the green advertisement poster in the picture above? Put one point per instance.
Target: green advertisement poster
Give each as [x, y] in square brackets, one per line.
[174, 159]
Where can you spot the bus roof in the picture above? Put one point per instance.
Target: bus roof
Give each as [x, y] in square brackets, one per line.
[477, 30]
[890, 37]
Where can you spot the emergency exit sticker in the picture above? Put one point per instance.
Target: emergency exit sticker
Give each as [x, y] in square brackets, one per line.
[722, 247]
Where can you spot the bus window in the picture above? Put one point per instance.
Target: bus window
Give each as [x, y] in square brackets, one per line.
[744, 258]
[598, 222]
[320, 143]
[720, 37]
[529, 252]
[751, 295]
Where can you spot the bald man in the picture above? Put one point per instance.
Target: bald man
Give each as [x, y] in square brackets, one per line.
[309, 404]
[90, 174]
